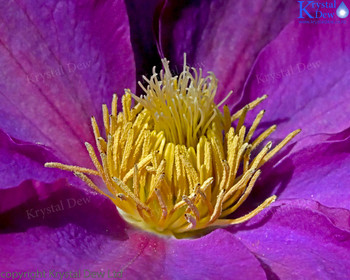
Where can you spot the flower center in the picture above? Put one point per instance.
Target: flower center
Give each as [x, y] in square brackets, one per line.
[173, 163]
[182, 107]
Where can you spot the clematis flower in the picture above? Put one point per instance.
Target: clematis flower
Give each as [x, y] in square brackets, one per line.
[62, 60]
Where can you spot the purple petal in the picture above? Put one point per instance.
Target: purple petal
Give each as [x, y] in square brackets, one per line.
[60, 61]
[21, 161]
[91, 236]
[300, 240]
[221, 36]
[77, 221]
[319, 172]
[306, 80]
[141, 15]
[218, 255]
[77, 233]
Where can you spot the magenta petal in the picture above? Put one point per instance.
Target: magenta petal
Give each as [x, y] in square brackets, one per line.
[319, 172]
[221, 36]
[60, 61]
[72, 248]
[218, 255]
[69, 230]
[306, 79]
[300, 240]
[84, 232]
[21, 161]
[141, 15]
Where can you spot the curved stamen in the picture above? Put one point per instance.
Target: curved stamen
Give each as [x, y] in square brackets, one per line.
[173, 163]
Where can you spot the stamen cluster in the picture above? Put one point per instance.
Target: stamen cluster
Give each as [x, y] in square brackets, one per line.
[173, 163]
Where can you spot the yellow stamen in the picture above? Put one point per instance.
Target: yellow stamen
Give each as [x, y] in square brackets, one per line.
[71, 168]
[173, 163]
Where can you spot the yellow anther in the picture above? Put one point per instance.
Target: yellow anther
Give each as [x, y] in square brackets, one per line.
[172, 162]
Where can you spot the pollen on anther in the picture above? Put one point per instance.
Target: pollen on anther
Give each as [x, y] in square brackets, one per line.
[172, 162]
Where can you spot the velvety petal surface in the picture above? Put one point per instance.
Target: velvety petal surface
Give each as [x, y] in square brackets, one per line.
[58, 227]
[143, 39]
[20, 161]
[300, 240]
[59, 61]
[221, 36]
[218, 255]
[306, 79]
[319, 171]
